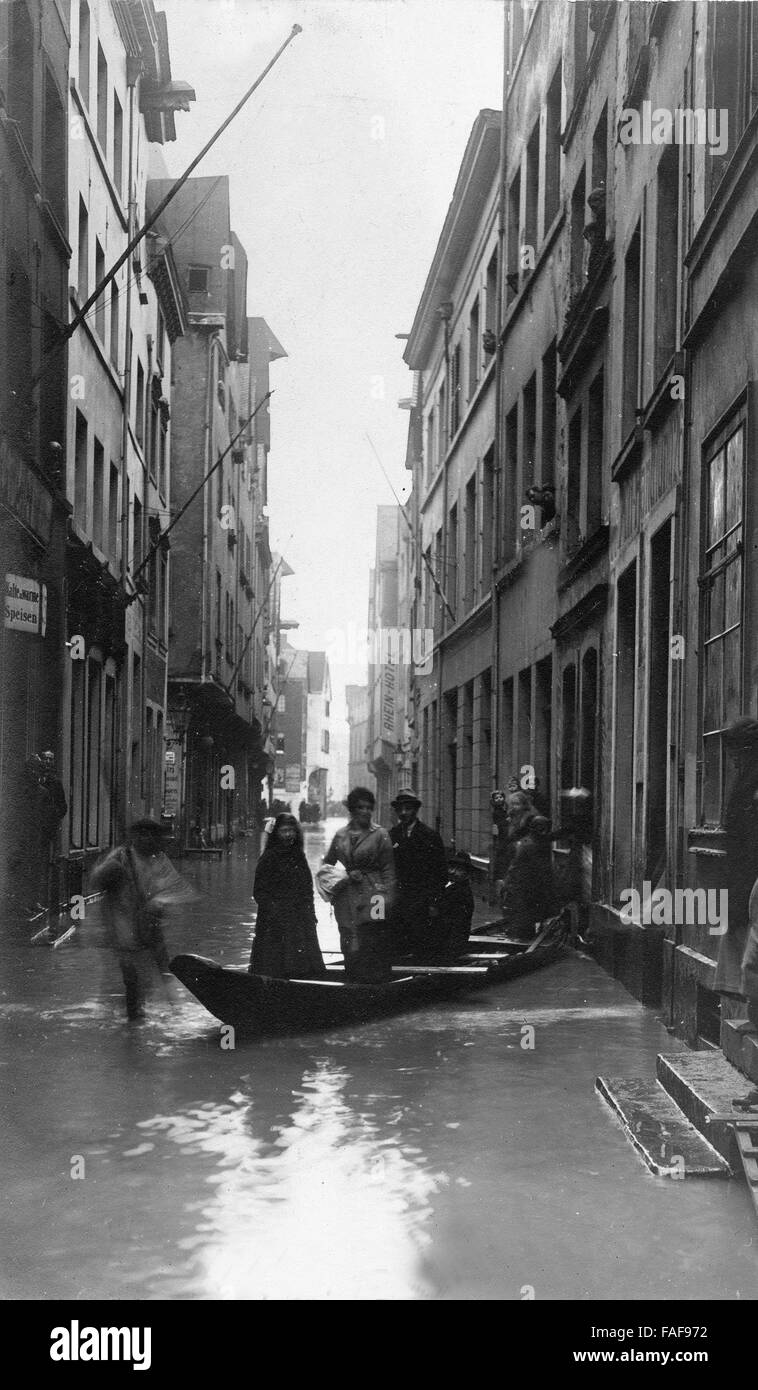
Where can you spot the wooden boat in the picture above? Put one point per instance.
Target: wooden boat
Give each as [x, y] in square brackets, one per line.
[262, 1004]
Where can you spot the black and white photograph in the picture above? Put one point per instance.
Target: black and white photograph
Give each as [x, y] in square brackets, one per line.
[379, 664]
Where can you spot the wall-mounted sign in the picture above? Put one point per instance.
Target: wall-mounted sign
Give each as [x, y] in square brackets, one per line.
[25, 604]
[388, 704]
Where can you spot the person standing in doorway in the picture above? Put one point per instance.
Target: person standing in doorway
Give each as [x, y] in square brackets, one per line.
[52, 809]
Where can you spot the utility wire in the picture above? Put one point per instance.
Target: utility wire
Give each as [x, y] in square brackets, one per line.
[82, 313]
[424, 556]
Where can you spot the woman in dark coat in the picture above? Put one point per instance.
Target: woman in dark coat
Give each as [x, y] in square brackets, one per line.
[286, 944]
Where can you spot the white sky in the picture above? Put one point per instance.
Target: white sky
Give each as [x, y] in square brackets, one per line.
[340, 229]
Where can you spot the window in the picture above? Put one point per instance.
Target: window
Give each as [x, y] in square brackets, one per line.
[162, 455]
[524, 730]
[139, 421]
[574, 481]
[137, 535]
[102, 99]
[553, 147]
[577, 235]
[549, 406]
[54, 150]
[510, 483]
[474, 349]
[324, 740]
[530, 435]
[20, 72]
[455, 389]
[441, 426]
[598, 193]
[732, 53]
[666, 257]
[721, 612]
[118, 144]
[452, 560]
[471, 574]
[568, 713]
[98, 485]
[82, 283]
[84, 52]
[113, 514]
[18, 358]
[439, 606]
[99, 303]
[94, 686]
[198, 279]
[507, 708]
[490, 304]
[80, 472]
[431, 439]
[595, 438]
[514, 260]
[588, 726]
[580, 10]
[218, 608]
[114, 324]
[488, 506]
[632, 286]
[532, 184]
[626, 687]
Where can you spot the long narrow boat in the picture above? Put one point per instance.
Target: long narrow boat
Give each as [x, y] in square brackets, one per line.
[256, 1005]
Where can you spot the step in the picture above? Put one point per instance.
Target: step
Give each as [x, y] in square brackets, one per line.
[702, 1084]
[741, 1048]
[660, 1132]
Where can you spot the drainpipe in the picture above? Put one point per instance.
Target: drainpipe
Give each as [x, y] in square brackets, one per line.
[145, 600]
[133, 70]
[497, 446]
[440, 650]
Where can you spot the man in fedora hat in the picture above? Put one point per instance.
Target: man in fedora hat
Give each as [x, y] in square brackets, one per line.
[421, 868]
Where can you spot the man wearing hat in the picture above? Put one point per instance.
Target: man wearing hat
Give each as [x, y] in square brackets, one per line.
[421, 869]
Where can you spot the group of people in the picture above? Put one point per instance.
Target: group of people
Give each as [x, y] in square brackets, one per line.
[394, 893]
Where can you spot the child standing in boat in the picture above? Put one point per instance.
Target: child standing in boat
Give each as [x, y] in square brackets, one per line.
[286, 943]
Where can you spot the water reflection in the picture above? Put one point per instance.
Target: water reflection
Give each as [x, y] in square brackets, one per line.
[305, 1191]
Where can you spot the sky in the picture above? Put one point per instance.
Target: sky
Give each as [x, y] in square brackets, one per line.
[341, 166]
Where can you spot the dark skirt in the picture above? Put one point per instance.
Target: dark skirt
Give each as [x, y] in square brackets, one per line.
[287, 947]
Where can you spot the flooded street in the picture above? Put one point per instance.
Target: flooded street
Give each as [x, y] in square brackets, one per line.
[427, 1156]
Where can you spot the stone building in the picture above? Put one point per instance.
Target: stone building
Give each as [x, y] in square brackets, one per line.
[34, 258]
[220, 672]
[622, 605]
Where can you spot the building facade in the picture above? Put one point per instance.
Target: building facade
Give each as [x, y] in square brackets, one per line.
[618, 643]
[220, 671]
[34, 265]
[303, 748]
[358, 773]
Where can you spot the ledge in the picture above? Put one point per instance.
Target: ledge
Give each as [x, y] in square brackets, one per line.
[661, 402]
[580, 612]
[629, 455]
[584, 557]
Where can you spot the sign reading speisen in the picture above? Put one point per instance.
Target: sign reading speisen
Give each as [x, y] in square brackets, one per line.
[25, 604]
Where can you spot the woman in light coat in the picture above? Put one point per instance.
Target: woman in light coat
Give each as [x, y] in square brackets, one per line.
[364, 899]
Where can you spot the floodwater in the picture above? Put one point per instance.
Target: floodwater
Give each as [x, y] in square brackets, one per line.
[427, 1156]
